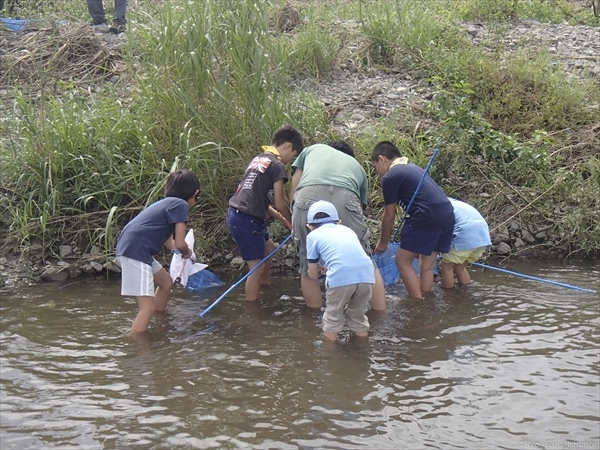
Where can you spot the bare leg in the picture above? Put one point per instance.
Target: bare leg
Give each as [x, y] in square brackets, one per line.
[377, 301]
[331, 336]
[426, 263]
[311, 291]
[404, 260]
[253, 281]
[265, 280]
[447, 270]
[164, 284]
[462, 275]
[140, 324]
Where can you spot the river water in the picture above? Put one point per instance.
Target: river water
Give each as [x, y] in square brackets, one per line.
[505, 363]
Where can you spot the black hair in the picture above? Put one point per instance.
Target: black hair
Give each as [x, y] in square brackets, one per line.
[343, 147]
[320, 215]
[288, 134]
[182, 184]
[385, 149]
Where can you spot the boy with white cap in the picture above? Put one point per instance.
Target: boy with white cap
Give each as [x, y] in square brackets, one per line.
[336, 250]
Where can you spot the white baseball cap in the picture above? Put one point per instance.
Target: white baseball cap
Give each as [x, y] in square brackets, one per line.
[322, 207]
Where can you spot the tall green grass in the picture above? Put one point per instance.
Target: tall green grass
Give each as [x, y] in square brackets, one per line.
[209, 81]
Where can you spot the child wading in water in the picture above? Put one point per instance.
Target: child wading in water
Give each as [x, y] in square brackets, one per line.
[251, 204]
[163, 222]
[471, 239]
[335, 248]
[430, 222]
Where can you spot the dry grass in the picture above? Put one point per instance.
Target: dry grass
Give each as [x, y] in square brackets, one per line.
[69, 53]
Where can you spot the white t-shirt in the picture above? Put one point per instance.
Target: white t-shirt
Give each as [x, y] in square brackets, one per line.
[338, 247]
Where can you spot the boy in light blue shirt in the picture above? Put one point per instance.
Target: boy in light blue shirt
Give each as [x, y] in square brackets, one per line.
[470, 240]
[336, 250]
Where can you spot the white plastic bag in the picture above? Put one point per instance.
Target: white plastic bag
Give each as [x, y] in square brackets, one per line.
[184, 268]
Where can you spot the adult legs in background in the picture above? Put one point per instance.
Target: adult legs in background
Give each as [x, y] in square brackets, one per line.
[96, 10]
[120, 8]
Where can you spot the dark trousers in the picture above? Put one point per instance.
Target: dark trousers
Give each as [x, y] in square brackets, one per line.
[96, 10]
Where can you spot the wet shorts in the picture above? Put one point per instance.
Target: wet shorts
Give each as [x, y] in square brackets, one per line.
[137, 278]
[426, 242]
[461, 256]
[249, 232]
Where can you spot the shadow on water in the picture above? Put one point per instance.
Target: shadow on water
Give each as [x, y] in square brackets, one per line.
[503, 363]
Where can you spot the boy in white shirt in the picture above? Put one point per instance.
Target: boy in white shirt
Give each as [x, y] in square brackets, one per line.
[335, 249]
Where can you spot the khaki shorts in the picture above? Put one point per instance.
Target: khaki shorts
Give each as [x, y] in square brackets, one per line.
[357, 297]
[349, 210]
[137, 278]
[461, 256]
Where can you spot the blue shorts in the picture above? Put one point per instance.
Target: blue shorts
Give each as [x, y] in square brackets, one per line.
[425, 242]
[249, 232]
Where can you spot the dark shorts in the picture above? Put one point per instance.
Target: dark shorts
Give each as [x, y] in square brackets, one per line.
[249, 232]
[425, 242]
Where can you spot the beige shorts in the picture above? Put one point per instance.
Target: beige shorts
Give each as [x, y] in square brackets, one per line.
[357, 297]
[461, 256]
[349, 211]
[137, 278]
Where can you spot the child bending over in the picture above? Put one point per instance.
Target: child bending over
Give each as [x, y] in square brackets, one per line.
[163, 222]
[335, 248]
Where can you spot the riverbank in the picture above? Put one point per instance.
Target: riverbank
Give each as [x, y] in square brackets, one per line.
[363, 99]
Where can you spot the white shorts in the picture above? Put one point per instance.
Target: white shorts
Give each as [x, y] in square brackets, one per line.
[137, 278]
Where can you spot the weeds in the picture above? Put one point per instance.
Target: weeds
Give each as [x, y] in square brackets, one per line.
[211, 80]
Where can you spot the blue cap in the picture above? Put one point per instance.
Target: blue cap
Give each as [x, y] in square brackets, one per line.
[322, 207]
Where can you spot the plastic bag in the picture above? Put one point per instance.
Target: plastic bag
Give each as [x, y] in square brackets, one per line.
[193, 275]
[386, 263]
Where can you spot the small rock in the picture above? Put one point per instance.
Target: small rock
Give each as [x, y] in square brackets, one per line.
[357, 117]
[519, 242]
[237, 261]
[540, 235]
[87, 268]
[528, 237]
[111, 266]
[3, 261]
[95, 250]
[96, 266]
[514, 226]
[503, 248]
[65, 250]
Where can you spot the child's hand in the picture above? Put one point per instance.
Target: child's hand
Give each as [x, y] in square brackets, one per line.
[381, 247]
[287, 223]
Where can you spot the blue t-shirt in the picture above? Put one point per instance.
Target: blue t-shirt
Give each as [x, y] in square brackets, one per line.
[431, 209]
[144, 236]
[338, 247]
[470, 228]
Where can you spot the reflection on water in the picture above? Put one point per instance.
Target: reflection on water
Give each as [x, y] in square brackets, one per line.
[504, 363]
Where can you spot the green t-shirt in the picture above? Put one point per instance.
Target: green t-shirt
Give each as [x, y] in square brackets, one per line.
[322, 164]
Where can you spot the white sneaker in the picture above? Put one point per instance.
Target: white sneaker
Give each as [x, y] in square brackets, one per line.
[100, 28]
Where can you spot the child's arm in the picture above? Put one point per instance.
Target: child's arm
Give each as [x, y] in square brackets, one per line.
[295, 181]
[313, 270]
[179, 241]
[387, 224]
[277, 215]
[280, 204]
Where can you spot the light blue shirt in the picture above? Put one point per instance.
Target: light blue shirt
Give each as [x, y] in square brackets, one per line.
[338, 247]
[470, 228]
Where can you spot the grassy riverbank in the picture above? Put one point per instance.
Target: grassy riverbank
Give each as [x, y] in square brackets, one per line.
[203, 84]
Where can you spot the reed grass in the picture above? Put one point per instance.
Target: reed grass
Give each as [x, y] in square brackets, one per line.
[207, 82]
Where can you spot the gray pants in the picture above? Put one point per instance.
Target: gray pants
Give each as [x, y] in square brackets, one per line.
[96, 10]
